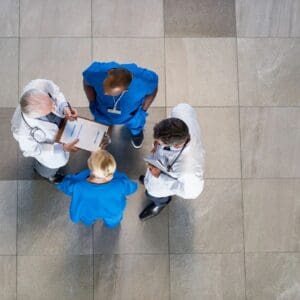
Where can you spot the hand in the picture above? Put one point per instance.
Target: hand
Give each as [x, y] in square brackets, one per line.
[70, 114]
[154, 171]
[105, 141]
[70, 147]
[155, 144]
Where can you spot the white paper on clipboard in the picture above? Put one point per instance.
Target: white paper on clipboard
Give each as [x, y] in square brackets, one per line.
[89, 133]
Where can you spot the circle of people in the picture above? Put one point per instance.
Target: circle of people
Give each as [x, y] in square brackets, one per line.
[117, 94]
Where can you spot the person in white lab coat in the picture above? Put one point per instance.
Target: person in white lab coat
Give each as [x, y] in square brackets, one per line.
[35, 124]
[178, 149]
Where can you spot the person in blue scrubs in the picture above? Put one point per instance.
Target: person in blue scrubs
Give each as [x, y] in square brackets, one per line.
[120, 94]
[98, 193]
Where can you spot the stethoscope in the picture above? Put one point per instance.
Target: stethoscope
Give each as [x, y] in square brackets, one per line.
[117, 100]
[37, 133]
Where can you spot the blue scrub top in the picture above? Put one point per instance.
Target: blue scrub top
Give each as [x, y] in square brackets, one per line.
[144, 83]
[91, 202]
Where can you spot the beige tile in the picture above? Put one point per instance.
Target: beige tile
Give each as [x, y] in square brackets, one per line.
[55, 18]
[44, 225]
[270, 142]
[202, 72]
[9, 72]
[211, 223]
[147, 53]
[55, 277]
[207, 276]
[123, 277]
[269, 72]
[272, 209]
[9, 147]
[202, 18]
[220, 133]
[134, 236]
[59, 59]
[8, 217]
[258, 18]
[9, 17]
[273, 276]
[8, 277]
[128, 18]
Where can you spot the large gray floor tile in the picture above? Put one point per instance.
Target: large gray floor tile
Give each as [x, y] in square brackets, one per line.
[207, 276]
[270, 142]
[9, 147]
[272, 210]
[9, 71]
[211, 223]
[55, 18]
[134, 277]
[55, 277]
[147, 53]
[44, 227]
[133, 235]
[128, 18]
[202, 72]
[9, 17]
[273, 276]
[8, 277]
[269, 72]
[59, 59]
[258, 18]
[208, 18]
[8, 217]
[220, 134]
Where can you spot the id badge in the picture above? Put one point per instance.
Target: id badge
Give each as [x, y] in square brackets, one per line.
[114, 111]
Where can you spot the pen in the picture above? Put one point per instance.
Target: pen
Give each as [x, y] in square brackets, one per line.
[69, 105]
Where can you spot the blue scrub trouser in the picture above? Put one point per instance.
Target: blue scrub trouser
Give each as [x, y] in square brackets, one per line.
[112, 223]
[136, 124]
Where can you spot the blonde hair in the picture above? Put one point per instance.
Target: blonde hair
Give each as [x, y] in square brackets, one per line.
[102, 164]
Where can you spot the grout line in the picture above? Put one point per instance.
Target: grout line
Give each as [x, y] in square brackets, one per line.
[17, 175]
[92, 37]
[241, 166]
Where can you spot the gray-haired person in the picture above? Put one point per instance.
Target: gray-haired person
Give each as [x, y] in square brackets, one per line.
[35, 124]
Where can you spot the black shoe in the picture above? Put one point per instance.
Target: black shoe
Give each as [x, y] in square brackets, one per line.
[151, 211]
[137, 140]
[57, 178]
[142, 179]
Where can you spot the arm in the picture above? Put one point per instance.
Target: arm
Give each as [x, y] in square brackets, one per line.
[67, 185]
[89, 92]
[149, 99]
[187, 187]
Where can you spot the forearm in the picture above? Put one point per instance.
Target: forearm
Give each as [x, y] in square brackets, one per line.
[89, 92]
[148, 100]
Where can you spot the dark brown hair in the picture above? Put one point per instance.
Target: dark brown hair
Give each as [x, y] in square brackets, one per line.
[118, 77]
[171, 131]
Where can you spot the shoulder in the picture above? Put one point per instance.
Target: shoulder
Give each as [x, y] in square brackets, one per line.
[98, 67]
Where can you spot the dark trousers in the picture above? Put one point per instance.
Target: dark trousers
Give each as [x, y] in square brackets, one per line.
[159, 201]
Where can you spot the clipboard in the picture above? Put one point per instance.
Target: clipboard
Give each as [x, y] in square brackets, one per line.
[89, 133]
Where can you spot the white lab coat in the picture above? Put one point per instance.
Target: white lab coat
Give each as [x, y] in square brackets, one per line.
[50, 155]
[188, 169]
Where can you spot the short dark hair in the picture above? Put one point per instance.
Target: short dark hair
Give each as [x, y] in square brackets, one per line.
[171, 131]
[118, 77]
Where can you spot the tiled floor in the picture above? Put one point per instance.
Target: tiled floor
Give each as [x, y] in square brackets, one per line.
[237, 63]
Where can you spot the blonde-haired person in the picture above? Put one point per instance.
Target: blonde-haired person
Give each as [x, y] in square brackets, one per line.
[98, 193]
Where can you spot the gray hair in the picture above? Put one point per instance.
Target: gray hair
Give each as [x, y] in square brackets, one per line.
[31, 104]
